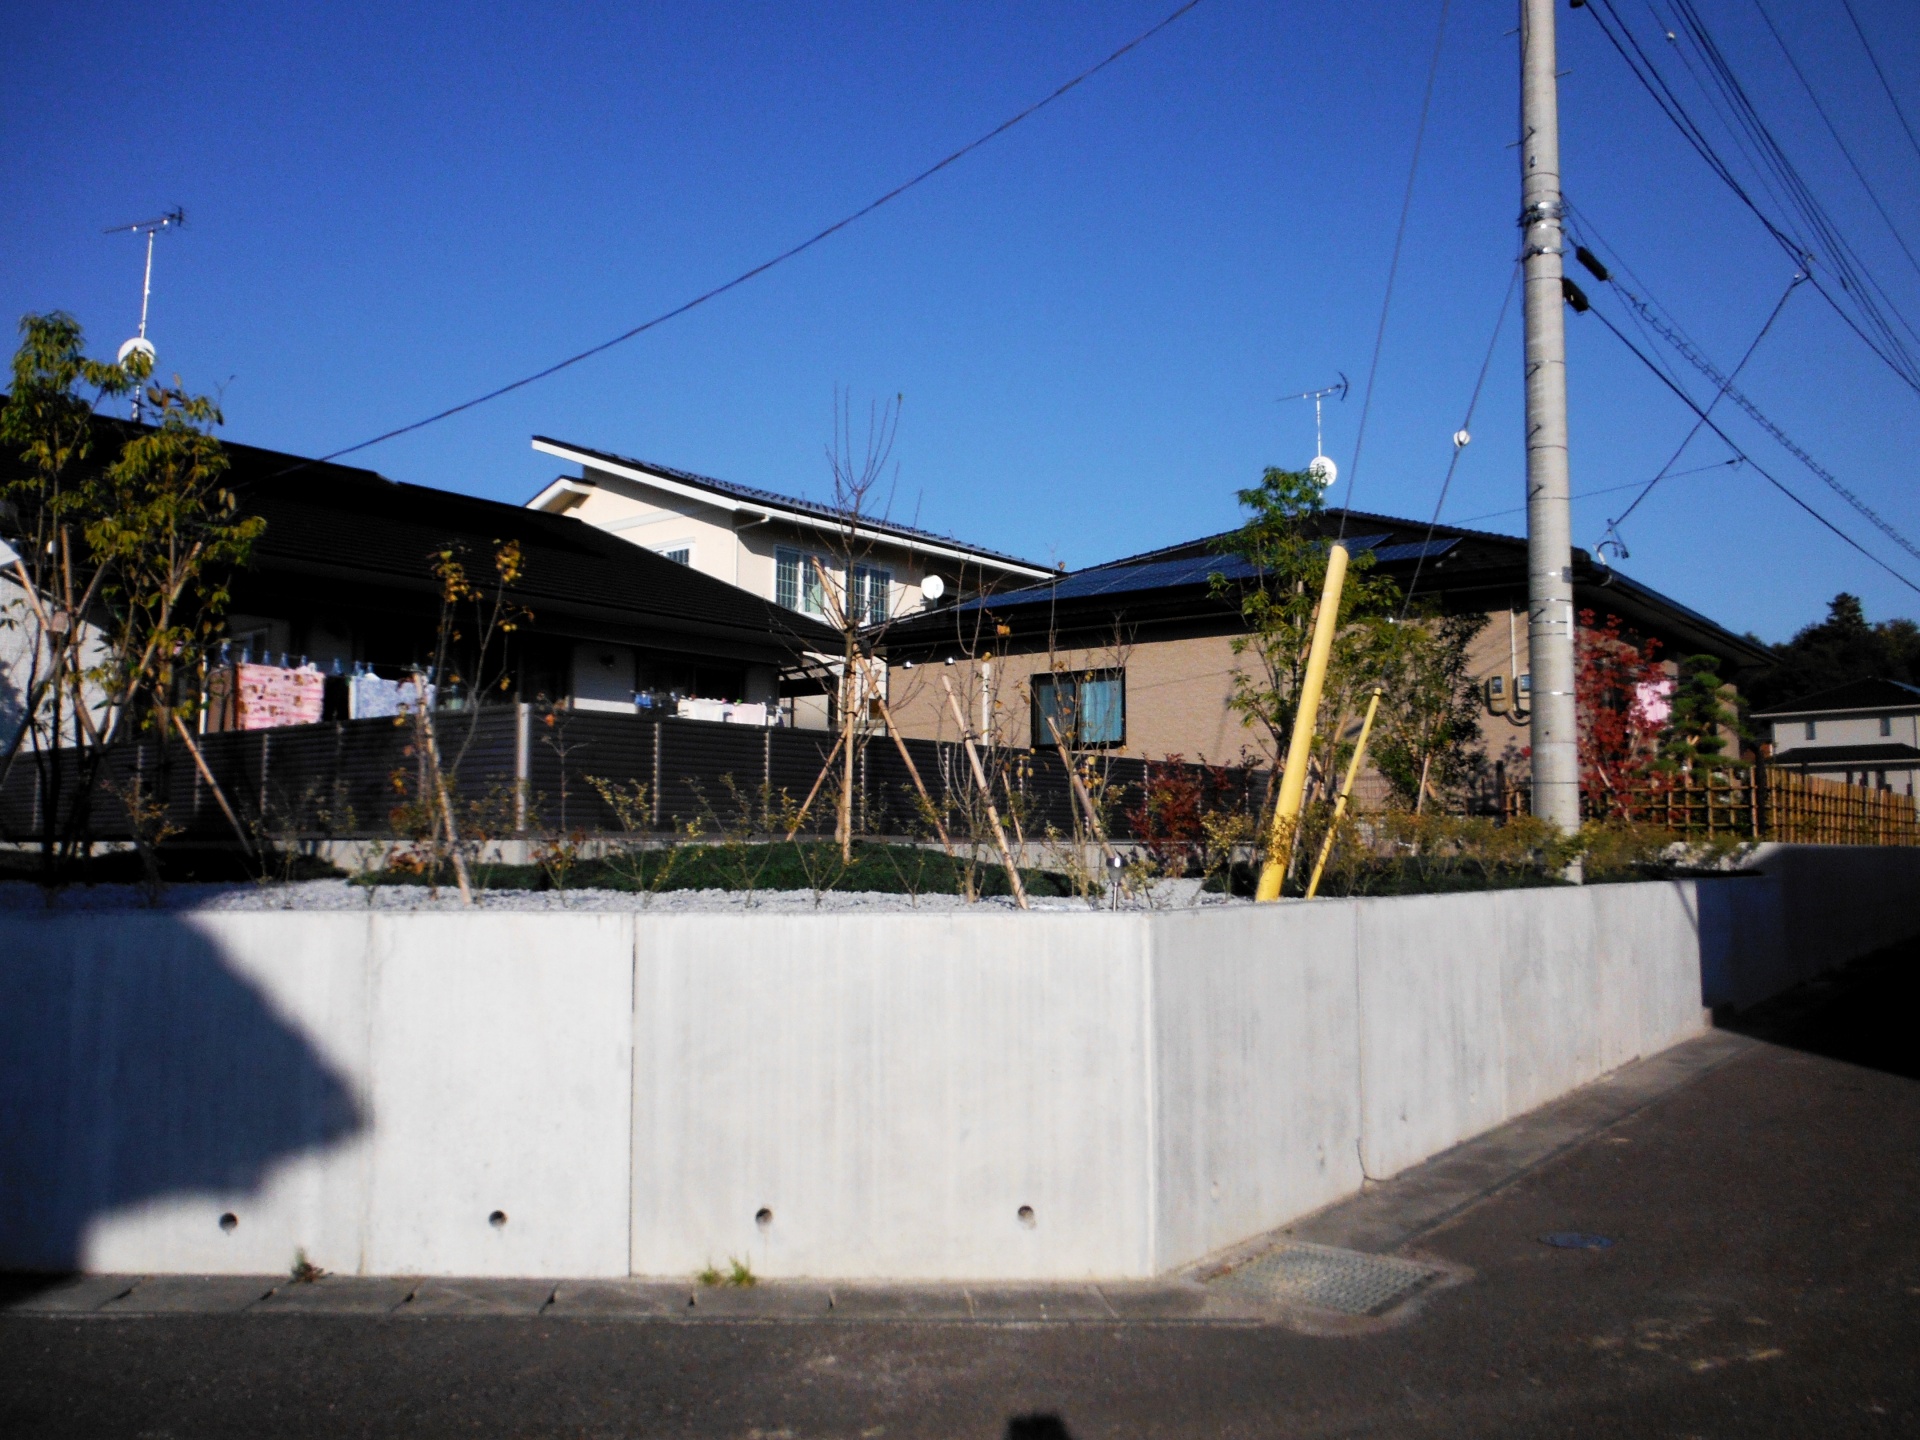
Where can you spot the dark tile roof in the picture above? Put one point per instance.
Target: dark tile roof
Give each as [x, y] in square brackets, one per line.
[1451, 559]
[1890, 754]
[1870, 694]
[344, 526]
[793, 503]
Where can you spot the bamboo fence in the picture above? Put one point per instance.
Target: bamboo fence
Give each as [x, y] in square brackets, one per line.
[1765, 803]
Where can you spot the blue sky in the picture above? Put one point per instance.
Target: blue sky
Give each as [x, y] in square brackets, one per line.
[391, 208]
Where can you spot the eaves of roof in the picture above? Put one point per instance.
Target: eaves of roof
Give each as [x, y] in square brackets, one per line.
[1175, 580]
[1893, 753]
[1872, 695]
[809, 511]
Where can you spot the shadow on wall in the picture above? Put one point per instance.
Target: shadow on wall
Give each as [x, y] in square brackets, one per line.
[135, 1065]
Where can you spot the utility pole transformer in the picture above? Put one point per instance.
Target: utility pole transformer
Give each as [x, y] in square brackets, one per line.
[1550, 619]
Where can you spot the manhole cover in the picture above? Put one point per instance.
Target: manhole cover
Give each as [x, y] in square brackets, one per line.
[1576, 1240]
[1331, 1279]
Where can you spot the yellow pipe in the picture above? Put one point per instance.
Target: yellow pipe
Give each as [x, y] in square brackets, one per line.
[1346, 791]
[1293, 779]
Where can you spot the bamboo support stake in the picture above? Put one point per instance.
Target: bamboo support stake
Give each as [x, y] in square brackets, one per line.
[200, 762]
[1346, 793]
[425, 712]
[913, 770]
[826, 769]
[986, 796]
[1080, 792]
[1293, 780]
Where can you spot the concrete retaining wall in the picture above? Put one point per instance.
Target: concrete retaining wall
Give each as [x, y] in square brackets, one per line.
[965, 1096]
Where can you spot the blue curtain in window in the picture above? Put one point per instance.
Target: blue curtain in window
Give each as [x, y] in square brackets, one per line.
[1049, 703]
[1103, 710]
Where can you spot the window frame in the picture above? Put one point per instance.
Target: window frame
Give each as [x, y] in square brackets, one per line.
[860, 585]
[809, 597]
[1073, 733]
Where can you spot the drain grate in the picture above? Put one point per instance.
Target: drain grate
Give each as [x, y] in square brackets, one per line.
[1330, 1279]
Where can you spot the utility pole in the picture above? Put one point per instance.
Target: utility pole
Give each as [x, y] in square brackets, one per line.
[1550, 622]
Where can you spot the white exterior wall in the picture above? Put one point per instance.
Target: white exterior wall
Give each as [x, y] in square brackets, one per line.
[630, 1090]
[742, 554]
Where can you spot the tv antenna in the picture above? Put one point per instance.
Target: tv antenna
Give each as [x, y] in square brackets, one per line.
[140, 345]
[1320, 467]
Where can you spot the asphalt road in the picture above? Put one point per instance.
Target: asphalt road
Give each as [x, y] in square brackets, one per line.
[1765, 1281]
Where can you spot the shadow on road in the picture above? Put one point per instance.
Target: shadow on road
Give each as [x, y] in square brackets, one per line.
[1861, 1014]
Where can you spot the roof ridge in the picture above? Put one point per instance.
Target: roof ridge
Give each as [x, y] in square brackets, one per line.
[818, 509]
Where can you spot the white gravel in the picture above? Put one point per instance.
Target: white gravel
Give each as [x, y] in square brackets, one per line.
[340, 895]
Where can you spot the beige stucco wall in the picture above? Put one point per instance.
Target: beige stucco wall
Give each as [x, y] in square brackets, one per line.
[1176, 696]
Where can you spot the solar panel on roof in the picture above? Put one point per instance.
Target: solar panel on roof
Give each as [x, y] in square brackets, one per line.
[1414, 550]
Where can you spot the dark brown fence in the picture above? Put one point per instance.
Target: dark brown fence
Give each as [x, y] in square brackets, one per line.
[354, 779]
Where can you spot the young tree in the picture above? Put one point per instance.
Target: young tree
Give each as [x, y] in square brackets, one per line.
[1281, 540]
[124, 563]
[1699, 720]
[858, 599]
[1428, 732]
[1622, 696]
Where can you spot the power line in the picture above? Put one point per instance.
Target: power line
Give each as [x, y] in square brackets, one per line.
[1605, 490]
[1393, 265]
[1874, 60]
[1718, 396]
[1691, 353]
[1657, 322]
[1834, 131]
[1863, 315]
[1461, 438]
[781, 258]
[1727, 440]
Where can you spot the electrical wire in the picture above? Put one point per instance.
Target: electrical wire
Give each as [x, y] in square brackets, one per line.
[1864, 315]
[1466, 427]
[1605, 490]
[1834, 131]
[1393, 265]
[758, 270]
[1726, 439]
[1799, 276]
[1874, 60]
[1655, 320]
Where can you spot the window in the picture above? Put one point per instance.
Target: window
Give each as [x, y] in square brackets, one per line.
[872, 594]
[1088, 710]
[1812, 729]
[1886, 725]
[796, 582]
[678, 554]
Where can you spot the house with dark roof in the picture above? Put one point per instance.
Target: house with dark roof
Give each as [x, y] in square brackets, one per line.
[765, 542]
[1146, 643]
[343, 575]
[1863, 733]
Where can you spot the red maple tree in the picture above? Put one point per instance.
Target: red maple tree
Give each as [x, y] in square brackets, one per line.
[1619, 691]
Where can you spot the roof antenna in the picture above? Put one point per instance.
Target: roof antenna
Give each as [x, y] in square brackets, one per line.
[1323, 470]
[140, 344]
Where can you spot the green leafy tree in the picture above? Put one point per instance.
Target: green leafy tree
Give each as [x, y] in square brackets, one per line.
[1282, 539]
[125, 565]
[1701, 717]
[1839, 649]
[1427, 736]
